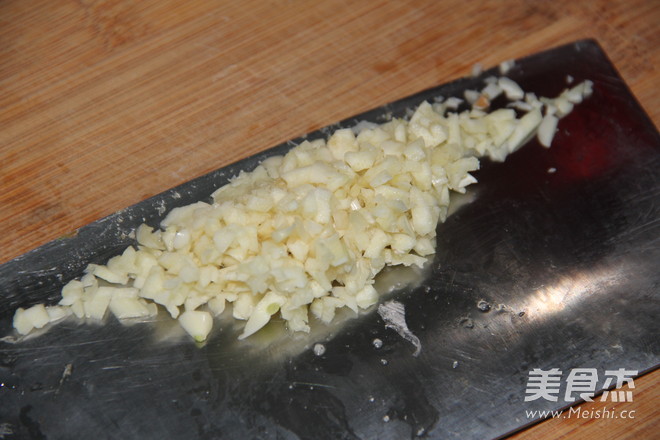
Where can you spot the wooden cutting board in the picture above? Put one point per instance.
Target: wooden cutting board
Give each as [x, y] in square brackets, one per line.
[105, 103]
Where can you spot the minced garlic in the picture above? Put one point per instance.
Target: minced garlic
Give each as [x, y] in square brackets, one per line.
[308, 231]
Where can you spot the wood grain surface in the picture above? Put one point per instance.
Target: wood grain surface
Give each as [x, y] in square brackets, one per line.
[104, 103]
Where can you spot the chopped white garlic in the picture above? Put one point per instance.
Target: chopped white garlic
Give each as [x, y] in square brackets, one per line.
[309, 230]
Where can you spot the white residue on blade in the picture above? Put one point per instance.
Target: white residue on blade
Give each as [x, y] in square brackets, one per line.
[394, 315]
[68, 369]
[319, 349]
[161, 208]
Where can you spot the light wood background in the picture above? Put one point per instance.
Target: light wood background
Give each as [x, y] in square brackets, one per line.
[105, 103]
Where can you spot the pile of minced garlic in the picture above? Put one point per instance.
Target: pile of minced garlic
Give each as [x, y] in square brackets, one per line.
[309, 231]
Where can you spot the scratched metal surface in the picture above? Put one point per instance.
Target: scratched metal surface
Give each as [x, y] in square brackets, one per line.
[572, 256]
